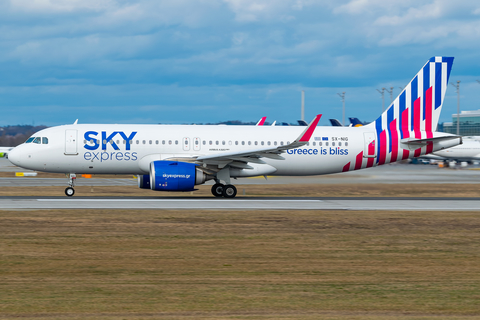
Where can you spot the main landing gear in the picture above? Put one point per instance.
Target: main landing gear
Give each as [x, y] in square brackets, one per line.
[69, 191]
[221, 190]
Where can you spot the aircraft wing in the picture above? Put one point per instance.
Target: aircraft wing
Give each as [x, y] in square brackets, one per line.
[239, 159]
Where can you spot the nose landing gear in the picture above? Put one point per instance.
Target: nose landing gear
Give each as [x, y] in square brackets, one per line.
[69, 191]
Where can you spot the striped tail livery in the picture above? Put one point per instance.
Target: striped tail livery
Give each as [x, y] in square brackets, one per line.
[407, 128]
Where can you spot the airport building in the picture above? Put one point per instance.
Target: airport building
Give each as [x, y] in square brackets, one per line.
[469, 124]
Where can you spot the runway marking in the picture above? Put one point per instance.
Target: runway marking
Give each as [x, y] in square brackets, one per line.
[176, 200]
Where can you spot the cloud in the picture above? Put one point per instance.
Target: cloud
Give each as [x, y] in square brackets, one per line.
[234, 50]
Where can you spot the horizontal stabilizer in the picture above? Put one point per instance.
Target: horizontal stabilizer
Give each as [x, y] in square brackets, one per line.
[437, 136]
[438, 140]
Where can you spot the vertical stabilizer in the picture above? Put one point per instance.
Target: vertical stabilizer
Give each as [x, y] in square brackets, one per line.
[414, 113]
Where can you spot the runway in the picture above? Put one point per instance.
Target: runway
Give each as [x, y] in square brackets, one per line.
[387, 174]
[183, 203]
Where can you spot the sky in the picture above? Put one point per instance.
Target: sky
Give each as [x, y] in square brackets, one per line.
[205, 61]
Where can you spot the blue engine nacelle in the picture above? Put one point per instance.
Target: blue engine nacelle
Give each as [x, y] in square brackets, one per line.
[172, 176]
[144, 181]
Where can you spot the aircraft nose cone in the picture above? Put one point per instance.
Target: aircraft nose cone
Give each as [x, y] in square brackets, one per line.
[14, 156]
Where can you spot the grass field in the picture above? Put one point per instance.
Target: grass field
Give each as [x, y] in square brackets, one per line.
[148, 264]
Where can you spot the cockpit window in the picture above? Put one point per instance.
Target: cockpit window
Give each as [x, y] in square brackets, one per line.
[29, 139]
[44, 140]
[37, 140]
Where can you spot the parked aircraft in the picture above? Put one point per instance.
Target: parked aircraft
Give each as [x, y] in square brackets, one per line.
[178, 157]
[469, 150]
[4, 151]
[335, 123]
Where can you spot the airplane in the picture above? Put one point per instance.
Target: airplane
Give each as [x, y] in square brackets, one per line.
[469, 150]
[179, 157]
[335, 123]
[356, 122]
[4, 151]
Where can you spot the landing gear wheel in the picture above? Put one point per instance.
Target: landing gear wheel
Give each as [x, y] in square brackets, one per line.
[69, 191]
[217, 190]
[229, 191]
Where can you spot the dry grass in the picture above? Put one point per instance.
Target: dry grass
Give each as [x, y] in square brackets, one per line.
[275, 190]
[148, 264]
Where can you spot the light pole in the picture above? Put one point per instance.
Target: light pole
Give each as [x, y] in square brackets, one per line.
[383, 98]
[303, 106]
[391, 94]
[457, 86]
[342, 95]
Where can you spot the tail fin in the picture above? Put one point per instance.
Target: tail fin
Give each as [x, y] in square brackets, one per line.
[356, 122]
[335, 123]
[414, 113]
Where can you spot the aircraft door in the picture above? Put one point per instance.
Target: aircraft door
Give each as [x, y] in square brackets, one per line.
[71, 142]
[196, 144]
[369, 148]
[186, 144]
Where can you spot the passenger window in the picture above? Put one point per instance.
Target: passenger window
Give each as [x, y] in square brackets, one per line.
[340, 144]
[156, 141]
[326, 143]
[256, 142]
[118, 141]
[223, 142]
[176, 141]
[346, 144]
[249, 142]
[204, 142]
[262, 143]
[196, 142]
[243, 143]
[149, 141]
[169, 141]
[281, 143]
[131, 142]
[104, 141]
[314, 144]
[45, 140]
[186, 141]
[274, 143]
[211, 142]
[236, 143]
[29, 140]
[124, 141]
[268, 142]
[163, 141]
[333, 144]
[320, 144]
[138, 142]
[217, 142]
[308, 143]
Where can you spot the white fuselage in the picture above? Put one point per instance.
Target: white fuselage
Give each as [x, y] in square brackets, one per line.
[329, 149]
[469, 150]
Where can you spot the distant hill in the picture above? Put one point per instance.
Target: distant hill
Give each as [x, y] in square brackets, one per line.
[11, 136]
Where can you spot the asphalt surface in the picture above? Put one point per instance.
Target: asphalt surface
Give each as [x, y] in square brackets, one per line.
[346, 203]
[390, 174]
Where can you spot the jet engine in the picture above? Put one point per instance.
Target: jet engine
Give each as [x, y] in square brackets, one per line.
[172, 176]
